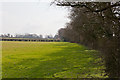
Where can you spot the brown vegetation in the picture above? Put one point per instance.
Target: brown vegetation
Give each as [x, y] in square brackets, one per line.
[97, 26]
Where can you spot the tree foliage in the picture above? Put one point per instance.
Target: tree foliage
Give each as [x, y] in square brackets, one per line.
[97, 26]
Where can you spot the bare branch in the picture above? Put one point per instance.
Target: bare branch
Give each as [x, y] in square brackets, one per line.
[78, 4]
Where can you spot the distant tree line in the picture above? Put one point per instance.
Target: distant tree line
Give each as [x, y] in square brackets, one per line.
[29, 36]
[97, 26]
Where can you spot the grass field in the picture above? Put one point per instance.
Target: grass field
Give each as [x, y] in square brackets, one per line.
[49, 60]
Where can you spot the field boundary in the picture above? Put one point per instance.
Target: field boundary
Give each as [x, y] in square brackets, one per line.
[30, 39]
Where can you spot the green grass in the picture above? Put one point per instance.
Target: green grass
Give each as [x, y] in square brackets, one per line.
[49, 60]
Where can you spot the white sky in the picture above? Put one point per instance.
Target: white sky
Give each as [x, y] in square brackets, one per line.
[32, 16]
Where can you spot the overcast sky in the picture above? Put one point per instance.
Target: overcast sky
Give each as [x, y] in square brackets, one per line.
[36, 17]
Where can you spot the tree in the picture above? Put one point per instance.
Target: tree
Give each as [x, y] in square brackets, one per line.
[97, 26]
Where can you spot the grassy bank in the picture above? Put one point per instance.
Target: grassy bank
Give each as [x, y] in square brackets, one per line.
[49, 60]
